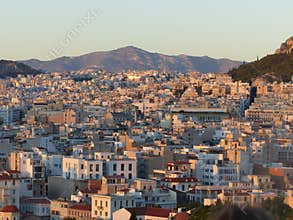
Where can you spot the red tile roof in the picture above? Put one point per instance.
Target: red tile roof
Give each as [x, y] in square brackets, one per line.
[9, 208]
[114, 177]
[180, 179]
[181, 216]
[6, 176]
[82, 207]
[178, 162]
[149, 211]
[12, 171]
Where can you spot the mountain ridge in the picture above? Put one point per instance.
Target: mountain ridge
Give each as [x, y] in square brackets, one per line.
[9, 68]
[133, 58]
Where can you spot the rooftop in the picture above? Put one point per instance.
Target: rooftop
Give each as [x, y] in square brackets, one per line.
[81, 207]
[149, 211]
[9, 208]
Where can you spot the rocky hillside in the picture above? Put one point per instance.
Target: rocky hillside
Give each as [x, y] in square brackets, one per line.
[286, 47]
[10, 68]
[275, 67]
[132, 58]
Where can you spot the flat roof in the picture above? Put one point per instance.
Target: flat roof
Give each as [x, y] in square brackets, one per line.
[199, 110]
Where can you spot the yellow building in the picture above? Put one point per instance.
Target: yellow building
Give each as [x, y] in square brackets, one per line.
[59, 209]
[9, 212]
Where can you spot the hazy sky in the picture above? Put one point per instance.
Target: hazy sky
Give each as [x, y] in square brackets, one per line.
[234, 29]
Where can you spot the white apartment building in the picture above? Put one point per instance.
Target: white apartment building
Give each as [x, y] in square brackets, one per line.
[103, 164]
[26, 188]
[103, 155]
[103, 206]
[179, 183]
[27, 163]
[212, 169]
[81, 169]
[124, 167]
[37, 206]
[160, 197]
[117, 165]
[156, 196]
[9, 114]
[53, 164]
[47, 142]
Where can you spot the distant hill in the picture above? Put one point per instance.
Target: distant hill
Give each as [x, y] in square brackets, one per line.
[10, 68]
[132, 58]
[275, 67]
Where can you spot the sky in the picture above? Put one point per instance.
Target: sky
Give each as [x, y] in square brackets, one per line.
[239, 30]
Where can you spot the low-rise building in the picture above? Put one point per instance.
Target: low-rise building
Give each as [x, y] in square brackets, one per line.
[80, 212]
[9, 212]
[103, 206]
[9, 189]
[179, 183]
[144, 213]
[34, 206]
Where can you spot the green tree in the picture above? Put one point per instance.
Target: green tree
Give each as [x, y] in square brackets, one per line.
[133, 216]
[278, 209]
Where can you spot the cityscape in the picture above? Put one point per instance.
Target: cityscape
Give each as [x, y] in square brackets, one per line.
[136, 134]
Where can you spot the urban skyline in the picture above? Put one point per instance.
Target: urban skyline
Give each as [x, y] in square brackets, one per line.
[120, 115]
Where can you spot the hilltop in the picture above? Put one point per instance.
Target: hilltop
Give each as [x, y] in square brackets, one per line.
[275, 67]
[10, 68]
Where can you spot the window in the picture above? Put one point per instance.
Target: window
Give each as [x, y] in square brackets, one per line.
[130, 167]
[97, 167]
[122, 167]
[106, 214]
[114, 167]
[130, 176]
[91, 167]
[106, 204]
[81, 166]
